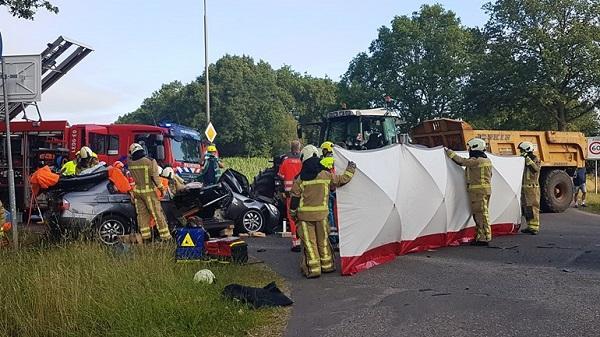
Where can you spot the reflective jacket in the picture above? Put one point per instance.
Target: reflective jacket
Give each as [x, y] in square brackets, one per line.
[478, 172]
[314, 194]
[118, 178]
[144, 172]
[69, 168]
[289, 169]
[531, 175]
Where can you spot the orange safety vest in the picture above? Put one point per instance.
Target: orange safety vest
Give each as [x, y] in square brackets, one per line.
[119, 179]
[43, 178]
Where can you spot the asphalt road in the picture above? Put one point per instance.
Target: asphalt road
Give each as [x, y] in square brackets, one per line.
[544, 285]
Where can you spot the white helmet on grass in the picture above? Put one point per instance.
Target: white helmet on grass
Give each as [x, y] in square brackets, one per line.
[204, 276]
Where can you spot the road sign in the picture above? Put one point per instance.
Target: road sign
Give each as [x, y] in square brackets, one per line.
[23, 78]
[593, 148]
[210, 132]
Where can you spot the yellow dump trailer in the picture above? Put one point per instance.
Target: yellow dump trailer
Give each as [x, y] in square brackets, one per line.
[560, 152]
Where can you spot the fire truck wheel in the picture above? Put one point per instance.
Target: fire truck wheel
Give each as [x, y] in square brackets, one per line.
[251, 221]
[109, 227]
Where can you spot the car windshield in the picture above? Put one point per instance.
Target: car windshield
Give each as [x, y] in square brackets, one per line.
[187, 150]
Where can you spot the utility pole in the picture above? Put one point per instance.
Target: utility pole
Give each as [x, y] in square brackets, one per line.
[206, 68]
[11, 172]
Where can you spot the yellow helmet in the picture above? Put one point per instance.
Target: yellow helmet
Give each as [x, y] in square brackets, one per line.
[211, 148]
[327, 146]
[94, 155]
[477, 144]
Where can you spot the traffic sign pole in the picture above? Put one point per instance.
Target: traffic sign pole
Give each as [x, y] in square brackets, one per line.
[11, 172]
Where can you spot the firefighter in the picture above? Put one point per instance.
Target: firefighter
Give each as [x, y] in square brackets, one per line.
[309, 206]
[211, 166]
[478, 171]
[70, 167]
[147, 205]
[175, 183]
[530, 196]
[327, 161]
[288, 170]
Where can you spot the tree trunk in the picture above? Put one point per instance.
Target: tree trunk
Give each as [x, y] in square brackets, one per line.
[561, 116]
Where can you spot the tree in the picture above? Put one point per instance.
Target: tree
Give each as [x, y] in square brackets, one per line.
[541, 64]
[421, 61]
[26, 9]
[253, 106]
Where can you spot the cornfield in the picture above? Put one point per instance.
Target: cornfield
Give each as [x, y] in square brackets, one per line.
[249, 167]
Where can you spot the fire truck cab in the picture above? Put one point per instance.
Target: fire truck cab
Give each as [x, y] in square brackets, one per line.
[54, 142]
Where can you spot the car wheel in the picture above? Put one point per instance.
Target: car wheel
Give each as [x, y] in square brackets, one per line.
[252, 221]
[109, 228]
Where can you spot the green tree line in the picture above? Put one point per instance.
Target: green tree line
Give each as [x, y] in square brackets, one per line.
[534, 65]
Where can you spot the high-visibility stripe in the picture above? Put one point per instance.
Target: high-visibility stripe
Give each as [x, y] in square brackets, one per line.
[326, 258]
[349, 174]
[479, 186]
[148, 187]
[313, 263]
[324, 206]
[452, 155]
[532, 185]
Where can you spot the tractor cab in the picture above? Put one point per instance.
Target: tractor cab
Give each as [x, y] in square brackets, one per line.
[356, 129]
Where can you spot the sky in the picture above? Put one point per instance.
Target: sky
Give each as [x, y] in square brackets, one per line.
[141, 44]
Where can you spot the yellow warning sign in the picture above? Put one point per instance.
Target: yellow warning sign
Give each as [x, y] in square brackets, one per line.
[187, 241]
[210, 132]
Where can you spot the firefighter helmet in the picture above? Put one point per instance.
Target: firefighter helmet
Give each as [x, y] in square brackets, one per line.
[168, 173]
[86, 152]
[211, 148]
[476, 144]
[327, 146]
[135, 147]
[308, 152]
[526, 147]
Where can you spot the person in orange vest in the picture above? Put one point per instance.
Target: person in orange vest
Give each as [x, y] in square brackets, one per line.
[118, 178]
[175, 183]
[289, 169]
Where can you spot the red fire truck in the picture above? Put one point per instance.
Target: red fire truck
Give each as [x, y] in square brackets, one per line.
[53, 142]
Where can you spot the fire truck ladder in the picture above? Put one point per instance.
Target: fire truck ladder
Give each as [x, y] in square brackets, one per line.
[51, 71]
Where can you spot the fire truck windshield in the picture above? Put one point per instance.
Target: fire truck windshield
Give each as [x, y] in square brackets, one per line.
[187, 150]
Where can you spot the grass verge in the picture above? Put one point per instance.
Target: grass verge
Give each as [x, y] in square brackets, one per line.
[592, 199]
[247, 166]
[90, 290]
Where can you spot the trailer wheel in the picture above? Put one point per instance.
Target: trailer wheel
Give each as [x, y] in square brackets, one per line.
[557, 191]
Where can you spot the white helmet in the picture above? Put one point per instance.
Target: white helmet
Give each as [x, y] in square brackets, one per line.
[168, 173]
[133, 148]
[308, 152]
[477, 144]
[204, 276]
[159, 169]
[85, 153]
[526, 147]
